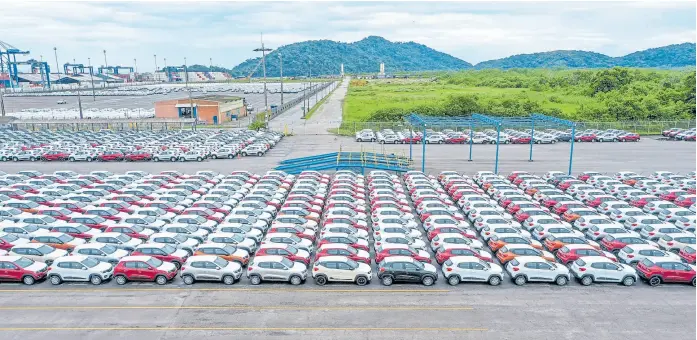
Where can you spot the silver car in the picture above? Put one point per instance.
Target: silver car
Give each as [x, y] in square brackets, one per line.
[101, 252]
[210, 268]
[276, 268]
[79, 268]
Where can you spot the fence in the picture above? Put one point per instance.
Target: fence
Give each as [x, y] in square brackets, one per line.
[296, 101]
[640, 127]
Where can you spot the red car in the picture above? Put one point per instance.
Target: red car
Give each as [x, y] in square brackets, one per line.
[567, 255]
[456, 140]
[520, 140]
[144, 268]
[665, 271]
[688, 254]
[629, 137]
[586, 137]
[560, 209]
[348, 221]
[289, 252]
[598, 200]
[444, 229]
[685, 201]
[568, 183]
[110, 156]
[401, 250]
[138, 156]
[613, 243]
[411, 140]
[671, 132]
[584, 176]
[672, 196]
[55, 156]
[7, 241]
[333, 249]
[443, 255]
[22, 269]
[690, 138]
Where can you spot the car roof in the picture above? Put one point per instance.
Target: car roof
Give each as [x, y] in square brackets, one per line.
[71, 258]
[273, 258]
[10, 258]
[333, 258]
[31, 245]
[464, 258]
[590, 259]
[398, 259]
[136, 258]
[210, 258]
[526, 259]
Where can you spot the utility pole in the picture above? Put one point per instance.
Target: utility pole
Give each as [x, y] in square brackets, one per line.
[135, 65]
[191, 101]
[309, 78]
[211, 63]
[105, 63]
[263, 64]
[79, 100]
[89, 63]
[58, 69]
[154, 75]
[280, 58]
[2, 101]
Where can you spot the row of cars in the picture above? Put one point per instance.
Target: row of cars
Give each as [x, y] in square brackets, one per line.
[681, 134]
[489, 136]
[133, 146]
[333, 228]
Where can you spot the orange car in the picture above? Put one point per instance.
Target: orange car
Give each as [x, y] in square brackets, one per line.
[572, 215]
[555, 242]
[510, 251]
[495, 242]
[58, 240]
[26, 206]
[226, 251]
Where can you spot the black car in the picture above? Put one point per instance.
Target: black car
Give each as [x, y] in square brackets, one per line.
[405, 269]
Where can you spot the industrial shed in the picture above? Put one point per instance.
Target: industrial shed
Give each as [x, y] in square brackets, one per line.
[213, 109]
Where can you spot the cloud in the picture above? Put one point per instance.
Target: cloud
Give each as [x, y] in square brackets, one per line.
[228, 32]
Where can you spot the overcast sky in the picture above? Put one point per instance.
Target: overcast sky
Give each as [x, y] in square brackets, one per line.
[227, 32]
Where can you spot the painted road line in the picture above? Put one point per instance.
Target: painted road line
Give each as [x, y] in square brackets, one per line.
[338, 308]
[248, 329]
[229, 290]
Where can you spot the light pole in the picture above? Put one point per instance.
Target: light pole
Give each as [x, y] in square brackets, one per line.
[135, 65]
[211, 63]
[263, 51]
[154, 75]
[89, 63]
[105, 63]
[2, 101]
[191, 101]
[58, 69]
[280, 59]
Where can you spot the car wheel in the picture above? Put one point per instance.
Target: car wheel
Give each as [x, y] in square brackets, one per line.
[387, 280]
[454, 280]
[156, 159]
[440, 142]
[214, 157]
[28, 280]
[121, 280]
[96, 280]
[230, 156]
[160, 280]
[628, 281]
[295, 280]
[372, 140]
[188, 279]
[520, 280]
[494, 280]
[554, 141]
[228, 280]
[428, 281]
[586, 280]
[15, 159]
[255, 279]
[361, 281]
[694, 282]
[55, 280]
[321, 280]
[175, 263]
[382, 142]
[359, 140]
[199, 159]
[71, 159]
[561, 281]
[655, 281]
[181, 159]
[244, 154]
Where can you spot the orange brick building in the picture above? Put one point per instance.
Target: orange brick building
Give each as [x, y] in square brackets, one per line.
[214, 109]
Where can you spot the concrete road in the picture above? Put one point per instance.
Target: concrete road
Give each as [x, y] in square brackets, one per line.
[646, 156]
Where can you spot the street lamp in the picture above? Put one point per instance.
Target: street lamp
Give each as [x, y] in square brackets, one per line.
[280, 59]
[263, 51]
[105, 63]
[191, 101]
[89, 63]
[58, 69]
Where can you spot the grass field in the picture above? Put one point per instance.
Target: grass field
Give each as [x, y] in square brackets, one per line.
[362, 101]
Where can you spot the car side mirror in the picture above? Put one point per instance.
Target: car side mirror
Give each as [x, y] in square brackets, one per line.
[217, 268]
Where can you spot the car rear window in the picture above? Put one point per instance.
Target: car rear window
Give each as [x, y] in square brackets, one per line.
[580, 262]
[514, 262]
[448, 262]
[628, 250]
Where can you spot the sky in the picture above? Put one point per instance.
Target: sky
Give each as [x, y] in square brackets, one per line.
[227, 32]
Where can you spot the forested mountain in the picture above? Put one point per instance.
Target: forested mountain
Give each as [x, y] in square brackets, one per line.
[323, 57]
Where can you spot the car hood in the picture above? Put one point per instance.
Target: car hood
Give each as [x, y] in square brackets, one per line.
[429, 268]
[56, 254]
[103, 266]
[166, 266]
[36, 266]
[180, 253]
[119, 253]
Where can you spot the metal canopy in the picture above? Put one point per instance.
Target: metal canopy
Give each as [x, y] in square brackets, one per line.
[476, 119]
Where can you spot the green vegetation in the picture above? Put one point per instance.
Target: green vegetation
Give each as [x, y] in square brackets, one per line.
[617, 94]
[363, 56]
[667, 56]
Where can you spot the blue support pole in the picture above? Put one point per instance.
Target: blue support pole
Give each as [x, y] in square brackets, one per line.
[411, 142]
[571, 153]
[423, 151]
[532, 138]
[498, 142]
[471, 141]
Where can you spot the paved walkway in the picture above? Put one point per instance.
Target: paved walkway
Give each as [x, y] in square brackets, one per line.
[328, 116]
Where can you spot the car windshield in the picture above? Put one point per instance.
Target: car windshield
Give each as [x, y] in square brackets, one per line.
[89, 262]
[292, 249]
[9, 238]
[154, 262]
[286, 262]
[108, 249]
[24, 262]
[295, 238]
[180, 238]
[44, 249]
[31, 228]
[65, 238]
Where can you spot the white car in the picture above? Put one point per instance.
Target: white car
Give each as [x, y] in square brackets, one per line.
[210, 268]
[585, 222]
[118, 240]
[79, 268]
[193, 155]
[469, 268]
[447, 239]
[387, 238]
[38, 252]
[589, 269]
[341, 269]
[633, 253]
[676, 242]
[523, 269]
[178, 241]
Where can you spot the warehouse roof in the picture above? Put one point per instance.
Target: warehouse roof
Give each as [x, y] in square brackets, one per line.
[219, 98]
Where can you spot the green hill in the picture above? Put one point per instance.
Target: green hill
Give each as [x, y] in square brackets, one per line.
[363, 56]
[680, 55]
